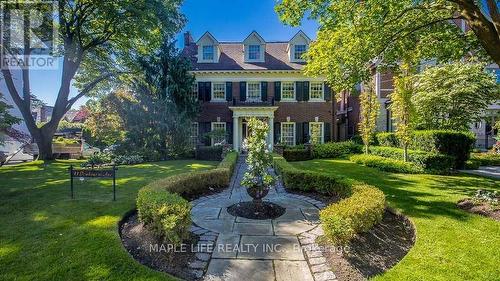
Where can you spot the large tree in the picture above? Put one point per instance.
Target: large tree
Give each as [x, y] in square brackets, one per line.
[98, 40]
[356, 35]
[453, 96]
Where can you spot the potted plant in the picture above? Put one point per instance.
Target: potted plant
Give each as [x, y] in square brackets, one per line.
[257, 178]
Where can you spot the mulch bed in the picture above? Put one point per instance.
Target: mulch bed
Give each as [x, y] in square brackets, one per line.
[483, 209]
[373, 252]
[320, 197]
[137, 239]
[249, 210]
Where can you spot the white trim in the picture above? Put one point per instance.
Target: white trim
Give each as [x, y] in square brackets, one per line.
[260, 92]
[294, 132]
[202, 78]
[294, 92]
[322, 92]
[213, 99]
[322, 130]
[212, 129]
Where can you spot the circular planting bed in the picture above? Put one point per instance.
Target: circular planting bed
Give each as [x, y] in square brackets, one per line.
[482, 209]
[152, 252]
[250, 210]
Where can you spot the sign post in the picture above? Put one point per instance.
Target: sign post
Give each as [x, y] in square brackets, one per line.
[92, 173]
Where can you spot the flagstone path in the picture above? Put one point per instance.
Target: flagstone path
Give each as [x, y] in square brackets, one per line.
[235, 248]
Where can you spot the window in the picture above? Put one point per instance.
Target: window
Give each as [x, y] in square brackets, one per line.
[208, 52]
[288, 90]
[194, 134]
[288, 133]
[194, 91]
[254, 52]
[316, 91]
[218, 91]
[219, 132]
[316, 132]
[253, 91]
[299, 50]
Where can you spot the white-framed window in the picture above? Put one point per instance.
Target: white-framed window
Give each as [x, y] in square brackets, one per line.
[219, 127]
[253, 91]
[316, 134]
[254, 52]
[288, 133]
[299, 50]
[208, 52]
[288, 91]
[218, 91]
[194, 134]
[194, 91]
[316, 91]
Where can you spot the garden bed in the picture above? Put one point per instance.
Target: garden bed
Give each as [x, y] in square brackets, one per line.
[483, 209]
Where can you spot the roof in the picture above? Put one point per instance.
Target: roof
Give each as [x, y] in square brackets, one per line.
[232, 58]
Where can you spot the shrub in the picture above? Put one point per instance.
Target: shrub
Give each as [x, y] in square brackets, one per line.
[452, 143]
[430, 162]
[209, 153]
[472, 164]
[297, 154]
[97, 159]
[128, 159]
[356, 214]
[387, 164]
[336, 149]
[294, 178]
[167, 214]
[486, 159]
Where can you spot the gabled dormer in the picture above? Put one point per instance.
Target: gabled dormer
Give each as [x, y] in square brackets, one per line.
[208, 49]
[255, 48]
[297, 46]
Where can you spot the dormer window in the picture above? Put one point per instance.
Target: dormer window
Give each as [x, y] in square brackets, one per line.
[254, 52]
[208, 52]
[299, 51]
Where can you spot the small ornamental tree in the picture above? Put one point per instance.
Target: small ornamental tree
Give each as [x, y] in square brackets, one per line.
[259, 158]
[403, 109]
[315, 135]
[369, 111]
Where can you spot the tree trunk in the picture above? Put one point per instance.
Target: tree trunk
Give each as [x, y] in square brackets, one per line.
[44, 142]
[367, 148]
[405, 153]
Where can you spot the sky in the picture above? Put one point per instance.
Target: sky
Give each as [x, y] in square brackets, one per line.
[227, 20]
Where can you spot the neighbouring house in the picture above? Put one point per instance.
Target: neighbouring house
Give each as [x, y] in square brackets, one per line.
[256, 78]
[42, 114]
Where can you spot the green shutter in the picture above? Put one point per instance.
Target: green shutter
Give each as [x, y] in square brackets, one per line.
[277, 132]
[298, 133]
[263, 91]
[305, 93]
[305, 132]
[299, 90]
[208, 91]
[243, 91]
[277, 91]
[327, 132]
[201, 89]
[229, 91]
[328, 92]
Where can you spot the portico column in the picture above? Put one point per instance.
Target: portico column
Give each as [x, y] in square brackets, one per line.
[271, 133]
[236, 137]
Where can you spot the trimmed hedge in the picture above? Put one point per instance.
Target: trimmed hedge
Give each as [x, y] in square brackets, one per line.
[356, 214]
[297, 154]
[453, 143]
[294, 178]
[209, 153]
[162, 204]
[486, 159]
[386, 164]
[428, 161]
[336, 149]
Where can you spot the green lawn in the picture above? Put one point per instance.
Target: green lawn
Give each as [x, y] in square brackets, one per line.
[44, 235]
[451, 244]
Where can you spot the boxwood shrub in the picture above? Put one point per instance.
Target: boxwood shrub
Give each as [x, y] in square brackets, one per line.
[297, 179]
[453, 143]
[355, 214]
[209, 153]
[486, 159]
[430, 162]
[297, 154]
[387, 164]
[336, 149]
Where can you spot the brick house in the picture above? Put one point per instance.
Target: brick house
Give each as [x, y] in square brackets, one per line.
[255, 78]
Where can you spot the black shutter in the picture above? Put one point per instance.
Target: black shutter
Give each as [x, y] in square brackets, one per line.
[299, 90]
[305, 132]
[201, 90]
[243, 91]
[305, 93]
[263, 91]
[208, 91]
[328, 92]
[277, 91]
[327, 132]
[298, 133]
[207, 127]
[277, 132]
[229, 132]
[229, 91]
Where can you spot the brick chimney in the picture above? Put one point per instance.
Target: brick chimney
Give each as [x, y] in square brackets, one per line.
[188, 39]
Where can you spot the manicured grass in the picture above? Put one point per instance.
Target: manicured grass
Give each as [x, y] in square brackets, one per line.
[451, 244]
[44, 235]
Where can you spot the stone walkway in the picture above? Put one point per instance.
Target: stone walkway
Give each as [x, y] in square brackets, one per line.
[235, 248]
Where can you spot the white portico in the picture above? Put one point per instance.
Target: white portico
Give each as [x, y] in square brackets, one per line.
[239, 128]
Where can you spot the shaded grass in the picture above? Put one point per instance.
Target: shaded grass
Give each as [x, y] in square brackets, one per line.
[451, 244]
[44, 235]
